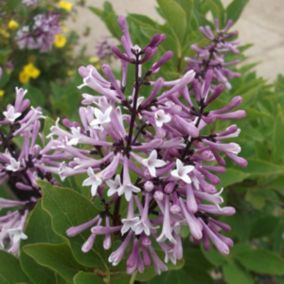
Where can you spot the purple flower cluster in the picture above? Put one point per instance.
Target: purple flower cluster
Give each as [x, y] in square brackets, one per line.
[20, 165]
[212, 56]
[40, 35]
[149, 153]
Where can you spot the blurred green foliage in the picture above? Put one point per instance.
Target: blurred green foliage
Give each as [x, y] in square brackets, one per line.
[55, 85]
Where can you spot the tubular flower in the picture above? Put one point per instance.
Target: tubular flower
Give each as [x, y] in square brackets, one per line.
[20, 166]
[149, 154]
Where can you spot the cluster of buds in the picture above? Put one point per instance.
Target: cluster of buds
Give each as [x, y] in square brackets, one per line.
[41, 34]
[212, 56]
[146, 145]
[20, 166]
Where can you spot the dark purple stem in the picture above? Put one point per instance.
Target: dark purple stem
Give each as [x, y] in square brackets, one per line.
[134, 108]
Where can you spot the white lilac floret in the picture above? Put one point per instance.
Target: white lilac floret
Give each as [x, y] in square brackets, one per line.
[149, 155]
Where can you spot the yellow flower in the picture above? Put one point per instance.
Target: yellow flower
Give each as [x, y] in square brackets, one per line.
[13, 25]
[70, 73]
[4, 33]
[64, 28]
[24, 77]
[31, 70]
[59, 41]
[2, 93]
[65, 5]
[94, 59]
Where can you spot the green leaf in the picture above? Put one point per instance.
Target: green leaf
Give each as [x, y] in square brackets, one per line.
[197, 276]
[87, 278]
[38, 218]
[57, 257]
[10, 270]
[239, 248]
[256, 198]
[177, 277]
[12, 4]
[109, 17]
[4, 54]
[235, 9]
[214, 257]
[120, 279]
[264, 226]
[278, 136]
[65, 208]
[4, 79]
[36, 96]
[277, 184]
[240, 223]
[262, 261]
[232, 176]
[263, 168]
[196, 265]
[150, 273]
[65, 97]
[233, 274]
[175, 17]
[217, 9]
[277, 238]
[47, 124]
[194, 258]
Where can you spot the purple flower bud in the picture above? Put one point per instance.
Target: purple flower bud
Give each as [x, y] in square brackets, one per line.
[157, 40]
[164, 59]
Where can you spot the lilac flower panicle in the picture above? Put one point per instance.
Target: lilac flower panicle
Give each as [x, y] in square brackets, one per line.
[40, 35]
[212, 56]
[20, 166]
[149, 155]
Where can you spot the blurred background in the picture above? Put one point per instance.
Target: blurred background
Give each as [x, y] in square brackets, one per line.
[261, 24]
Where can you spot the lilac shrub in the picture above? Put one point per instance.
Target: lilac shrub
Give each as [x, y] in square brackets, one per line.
[21, 164]
[40, 35]
[151, 161]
